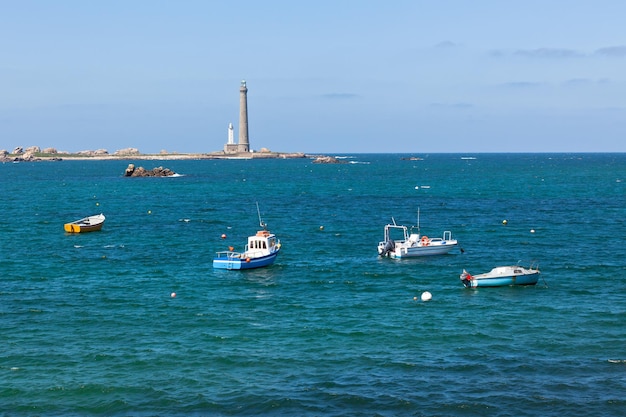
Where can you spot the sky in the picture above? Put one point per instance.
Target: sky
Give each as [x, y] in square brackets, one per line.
[340, 76]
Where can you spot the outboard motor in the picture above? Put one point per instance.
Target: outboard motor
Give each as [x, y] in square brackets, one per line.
[390, 245]
[466, 279]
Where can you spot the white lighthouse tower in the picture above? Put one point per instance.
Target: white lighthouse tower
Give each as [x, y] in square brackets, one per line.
[230, 146]
[231, 134]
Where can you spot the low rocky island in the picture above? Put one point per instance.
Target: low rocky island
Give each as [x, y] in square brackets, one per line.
[35, 153]
[131, 171]
[328, 160]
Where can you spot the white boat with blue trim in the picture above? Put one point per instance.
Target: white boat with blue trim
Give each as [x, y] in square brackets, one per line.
[502, 276]
[261, 250]
[407, 242]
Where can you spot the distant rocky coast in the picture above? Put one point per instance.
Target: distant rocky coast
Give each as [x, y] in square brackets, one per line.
[35, 153]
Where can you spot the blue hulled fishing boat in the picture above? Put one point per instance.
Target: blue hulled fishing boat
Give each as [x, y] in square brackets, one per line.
[261, 250]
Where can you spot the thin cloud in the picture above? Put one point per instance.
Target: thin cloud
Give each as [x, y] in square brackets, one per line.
[446, 45]
[551, 53]
[574, 82]
[340, 96]
[618, 51]
[459, 105]
[498, 53]
[520, 84]
[612, 51]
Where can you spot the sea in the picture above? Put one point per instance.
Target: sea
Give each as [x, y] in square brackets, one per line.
[134, 321]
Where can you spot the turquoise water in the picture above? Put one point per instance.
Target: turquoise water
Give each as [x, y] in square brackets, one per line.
[89, 326]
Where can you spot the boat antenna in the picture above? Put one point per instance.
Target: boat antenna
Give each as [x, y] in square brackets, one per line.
[418, 220]
[263, 225]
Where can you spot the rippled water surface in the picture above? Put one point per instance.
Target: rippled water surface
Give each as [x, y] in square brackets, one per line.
[89, 326]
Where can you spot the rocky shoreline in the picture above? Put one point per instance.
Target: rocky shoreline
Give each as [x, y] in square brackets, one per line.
[34, 153]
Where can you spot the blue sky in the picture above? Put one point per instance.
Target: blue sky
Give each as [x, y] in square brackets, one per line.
[323, 76]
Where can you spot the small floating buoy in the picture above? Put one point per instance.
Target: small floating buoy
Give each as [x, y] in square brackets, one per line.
[504, 222]
[173, 295]
[414, 298]
[97, 204]
[321, 227]
[230, 248]
[149, 211]
[223, 235]
[417, 187]
[532, 230]
[426, 296]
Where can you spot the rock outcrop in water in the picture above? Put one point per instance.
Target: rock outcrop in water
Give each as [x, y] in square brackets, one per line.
[328, 160]
[131, 171]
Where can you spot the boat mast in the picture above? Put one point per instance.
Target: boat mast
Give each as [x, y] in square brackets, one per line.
[263, 225]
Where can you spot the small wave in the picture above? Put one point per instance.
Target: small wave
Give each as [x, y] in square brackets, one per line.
[468, 157]
[617, 360]
[176, 175]
[359, 162]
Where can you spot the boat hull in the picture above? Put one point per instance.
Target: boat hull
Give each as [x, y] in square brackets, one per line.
[413, 245]
[502, 277]
[88, 224]
[418, 251]
[76, 228]
[225, 260]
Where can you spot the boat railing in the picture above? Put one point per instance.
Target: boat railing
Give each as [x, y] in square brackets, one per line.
[228, 254]
[405, 232]
[534, 265]
[255, 253]
[447, 235]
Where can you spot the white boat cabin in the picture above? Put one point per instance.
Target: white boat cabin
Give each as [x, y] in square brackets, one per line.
[263, 243]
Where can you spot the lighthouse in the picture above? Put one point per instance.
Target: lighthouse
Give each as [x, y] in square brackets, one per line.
[244, 143]
[231, 134]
